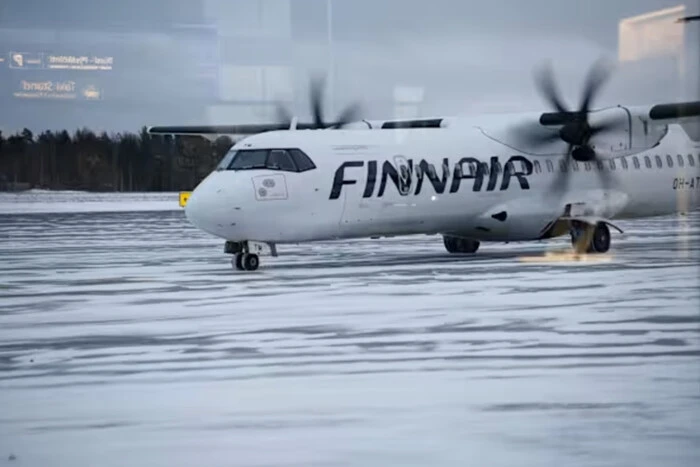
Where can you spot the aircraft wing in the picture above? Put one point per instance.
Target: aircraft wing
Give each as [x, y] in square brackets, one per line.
[661, 113]
[243, 129]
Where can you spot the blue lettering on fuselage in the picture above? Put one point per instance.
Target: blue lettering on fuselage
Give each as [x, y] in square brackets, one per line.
[408, 177]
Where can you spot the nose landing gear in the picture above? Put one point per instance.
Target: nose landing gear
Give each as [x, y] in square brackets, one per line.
[246, 254]
[246, 261]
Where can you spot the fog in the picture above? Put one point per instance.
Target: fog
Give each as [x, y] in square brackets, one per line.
[460, 57]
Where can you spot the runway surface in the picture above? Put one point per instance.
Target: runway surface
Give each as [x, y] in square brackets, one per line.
[126, 338]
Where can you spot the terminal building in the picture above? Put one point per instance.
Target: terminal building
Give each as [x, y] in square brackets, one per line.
[115, 66]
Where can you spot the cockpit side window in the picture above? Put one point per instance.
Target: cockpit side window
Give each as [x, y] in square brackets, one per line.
[249, 159]
[302, 161]
[280, 159]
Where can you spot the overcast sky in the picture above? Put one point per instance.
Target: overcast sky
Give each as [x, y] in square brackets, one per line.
[466, 56]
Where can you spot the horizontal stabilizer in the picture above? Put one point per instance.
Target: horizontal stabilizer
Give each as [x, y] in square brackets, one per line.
[243, 129]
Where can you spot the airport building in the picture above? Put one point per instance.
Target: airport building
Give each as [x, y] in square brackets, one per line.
[118, 65]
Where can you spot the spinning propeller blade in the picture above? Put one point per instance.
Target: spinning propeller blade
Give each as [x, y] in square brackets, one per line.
[349, 114]
[575, 129]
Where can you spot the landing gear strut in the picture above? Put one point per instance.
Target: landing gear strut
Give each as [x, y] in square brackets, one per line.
[460, 245]
[586, 238]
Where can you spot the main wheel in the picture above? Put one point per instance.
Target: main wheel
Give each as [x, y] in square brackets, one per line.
[601, 238]
[238, 261]
[460, 245]
[251, 262]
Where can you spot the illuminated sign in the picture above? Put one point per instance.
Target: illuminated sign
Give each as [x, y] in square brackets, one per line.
[24, 60]
[49, 89]
[78, 62]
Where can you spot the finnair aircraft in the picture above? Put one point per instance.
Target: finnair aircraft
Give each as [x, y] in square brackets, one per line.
[516, 177]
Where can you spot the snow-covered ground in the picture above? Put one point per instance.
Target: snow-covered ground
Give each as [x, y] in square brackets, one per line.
[126, 338]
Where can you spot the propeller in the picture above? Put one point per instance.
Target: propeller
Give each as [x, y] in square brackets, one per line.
[576, 130]
[349, 114]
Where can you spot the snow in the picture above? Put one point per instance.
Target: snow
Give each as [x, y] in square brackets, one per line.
[127, 338]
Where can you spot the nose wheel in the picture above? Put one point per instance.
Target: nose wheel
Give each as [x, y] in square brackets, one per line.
[246, 261]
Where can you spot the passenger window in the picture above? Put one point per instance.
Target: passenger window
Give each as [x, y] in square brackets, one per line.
[691, 161]
[669, 160]
[302, 161]
[280, 160]
[538, 167]
[612, 164]
[681, 162]
[574, 164]
[550, 166]
[600, 165]
[624, 163]
[647, 162]
[249, 159]
[659, 162]
[588, 166]
[635, 159]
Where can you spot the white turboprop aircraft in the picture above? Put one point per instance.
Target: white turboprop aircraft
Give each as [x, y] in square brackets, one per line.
[518, 177]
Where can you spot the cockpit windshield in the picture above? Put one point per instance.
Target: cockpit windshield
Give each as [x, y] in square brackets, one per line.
[226, 160]
[286, 160]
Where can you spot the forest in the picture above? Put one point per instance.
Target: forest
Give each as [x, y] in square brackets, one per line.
[83, 160]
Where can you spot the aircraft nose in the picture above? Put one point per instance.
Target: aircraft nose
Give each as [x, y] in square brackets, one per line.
[211, 207]
[194, 209]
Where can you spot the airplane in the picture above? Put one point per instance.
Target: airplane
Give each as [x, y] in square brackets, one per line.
[526, 176]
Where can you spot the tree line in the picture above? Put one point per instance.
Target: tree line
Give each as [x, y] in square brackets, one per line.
[59, 160]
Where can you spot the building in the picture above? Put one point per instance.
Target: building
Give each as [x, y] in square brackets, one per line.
[116, 66]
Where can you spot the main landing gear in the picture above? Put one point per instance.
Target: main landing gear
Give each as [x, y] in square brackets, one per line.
[587, 238]
[246, 254]
[460, 245]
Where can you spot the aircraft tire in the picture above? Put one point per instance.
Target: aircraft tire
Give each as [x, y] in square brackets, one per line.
[460, 245]
[251, 262]
[600, 243]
